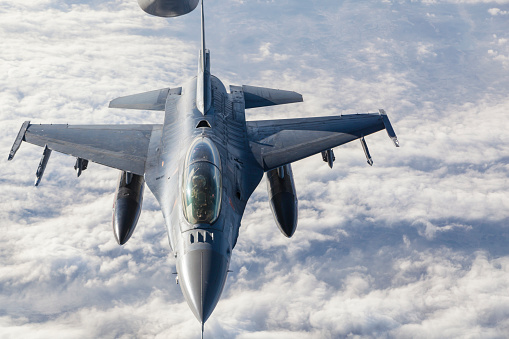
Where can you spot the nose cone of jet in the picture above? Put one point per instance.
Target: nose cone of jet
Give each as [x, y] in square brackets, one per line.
[202, 275]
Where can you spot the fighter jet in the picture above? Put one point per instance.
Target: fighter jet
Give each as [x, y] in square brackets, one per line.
[203, 162]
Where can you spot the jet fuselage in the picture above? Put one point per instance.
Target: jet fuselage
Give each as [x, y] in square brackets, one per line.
[202, 248]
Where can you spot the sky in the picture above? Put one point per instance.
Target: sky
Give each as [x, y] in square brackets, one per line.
[415, 246]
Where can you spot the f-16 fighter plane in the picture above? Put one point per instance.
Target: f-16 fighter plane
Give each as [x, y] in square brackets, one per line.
[203, 162]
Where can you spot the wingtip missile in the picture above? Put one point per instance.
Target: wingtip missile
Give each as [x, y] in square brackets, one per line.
[19, 139]
[388, 127]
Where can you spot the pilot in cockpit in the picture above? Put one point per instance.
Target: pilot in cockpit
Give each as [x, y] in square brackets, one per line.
[199, 195]
[202, 183]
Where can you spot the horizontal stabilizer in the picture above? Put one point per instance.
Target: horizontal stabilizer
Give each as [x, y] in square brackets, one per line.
[153, 100]
[261, 96]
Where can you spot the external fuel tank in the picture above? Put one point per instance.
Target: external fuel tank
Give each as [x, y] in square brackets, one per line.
[127, 205]
[283, 198]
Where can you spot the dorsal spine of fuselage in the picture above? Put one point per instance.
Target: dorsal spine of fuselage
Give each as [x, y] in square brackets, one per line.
[203, 88]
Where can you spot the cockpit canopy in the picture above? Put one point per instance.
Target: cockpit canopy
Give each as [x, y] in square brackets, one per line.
[202, 185]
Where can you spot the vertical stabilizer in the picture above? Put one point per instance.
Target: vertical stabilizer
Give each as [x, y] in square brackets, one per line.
[203, 89]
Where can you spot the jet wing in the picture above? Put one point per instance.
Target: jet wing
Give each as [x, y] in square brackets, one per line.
[278, 142]
[123, 147]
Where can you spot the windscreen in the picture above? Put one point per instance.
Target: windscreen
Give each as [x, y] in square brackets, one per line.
[202, 184]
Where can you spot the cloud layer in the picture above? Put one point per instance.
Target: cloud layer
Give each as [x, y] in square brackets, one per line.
[415, 246]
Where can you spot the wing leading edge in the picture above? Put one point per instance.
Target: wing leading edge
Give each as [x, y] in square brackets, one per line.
[124, 147]
[275, 143]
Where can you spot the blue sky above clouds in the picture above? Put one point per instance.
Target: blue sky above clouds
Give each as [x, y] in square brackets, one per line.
[415, 246]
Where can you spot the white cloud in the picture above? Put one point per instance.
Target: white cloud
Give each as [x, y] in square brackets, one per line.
[497, 11]
[265, 54]
[415, 246]
[424, 50]
[473, 2]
